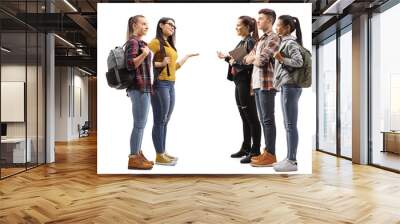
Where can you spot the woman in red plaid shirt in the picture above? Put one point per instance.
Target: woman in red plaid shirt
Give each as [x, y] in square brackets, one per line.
[138, 57]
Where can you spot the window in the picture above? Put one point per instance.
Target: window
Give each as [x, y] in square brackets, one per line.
[346, 92]
[385, 89]
[327, 95]
[22, 91]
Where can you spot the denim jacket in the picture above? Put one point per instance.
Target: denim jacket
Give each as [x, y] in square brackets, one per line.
[285, 72]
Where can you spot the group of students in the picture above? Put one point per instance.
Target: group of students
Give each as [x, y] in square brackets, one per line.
[268, 67]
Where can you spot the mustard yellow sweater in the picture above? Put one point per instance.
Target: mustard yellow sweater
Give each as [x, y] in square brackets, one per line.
[154, 46]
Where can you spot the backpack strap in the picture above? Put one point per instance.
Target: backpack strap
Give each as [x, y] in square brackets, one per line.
[125, 45]
[163, 54]
[282, 45]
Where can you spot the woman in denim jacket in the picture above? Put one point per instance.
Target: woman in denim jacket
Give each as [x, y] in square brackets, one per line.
[287, 59]
[240, 74]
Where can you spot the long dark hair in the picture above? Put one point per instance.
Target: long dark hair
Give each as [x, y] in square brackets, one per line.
[131, 21]
[160, 36]
[251, 24]
[294, 24]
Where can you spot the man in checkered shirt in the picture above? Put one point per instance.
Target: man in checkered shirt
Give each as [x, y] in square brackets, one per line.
[262, 58]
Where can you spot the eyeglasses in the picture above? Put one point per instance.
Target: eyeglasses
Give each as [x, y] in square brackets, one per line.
[172, 25]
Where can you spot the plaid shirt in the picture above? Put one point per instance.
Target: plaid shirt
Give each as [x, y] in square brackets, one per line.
[143, 72]
[269, 44]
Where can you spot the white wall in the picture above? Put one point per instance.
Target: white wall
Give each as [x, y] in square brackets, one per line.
[12, 101]
[61, 103]
[82, 83]
[68, 83]
[314, 87]
[16, 73]
[33, 127]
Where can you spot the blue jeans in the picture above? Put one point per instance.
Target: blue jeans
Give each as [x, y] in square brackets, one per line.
[290, 100]
[265, 102]
[140, 110]
[162, 102]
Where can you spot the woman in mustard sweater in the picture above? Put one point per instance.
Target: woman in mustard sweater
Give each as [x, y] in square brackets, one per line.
[163, 98]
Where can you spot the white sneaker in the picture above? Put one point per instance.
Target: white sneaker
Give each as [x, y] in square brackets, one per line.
[285, 166]
[280, 162]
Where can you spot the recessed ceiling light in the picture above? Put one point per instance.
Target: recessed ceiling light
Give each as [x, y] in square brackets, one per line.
[5, 50]
[64, 40]
[338, 6]
[70, 5]
[84, 71]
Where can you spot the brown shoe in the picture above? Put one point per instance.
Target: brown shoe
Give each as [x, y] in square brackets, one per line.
[266, 160]
[255, 158]
[144, 158]
[137, 162]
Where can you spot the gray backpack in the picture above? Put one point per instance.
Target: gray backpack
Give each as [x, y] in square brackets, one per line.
[118, 76]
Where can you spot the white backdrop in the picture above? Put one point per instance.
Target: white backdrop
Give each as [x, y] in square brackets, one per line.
[205, 127]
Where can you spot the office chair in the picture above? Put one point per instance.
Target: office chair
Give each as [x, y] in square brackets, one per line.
[84, 130]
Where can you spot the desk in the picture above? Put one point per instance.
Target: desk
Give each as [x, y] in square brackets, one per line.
[15, 148]
[391, 141]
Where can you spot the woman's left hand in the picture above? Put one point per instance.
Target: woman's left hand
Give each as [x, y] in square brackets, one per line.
[278, 56]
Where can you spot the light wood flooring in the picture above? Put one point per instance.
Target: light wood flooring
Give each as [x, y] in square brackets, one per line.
[70, 191]
[387, 159]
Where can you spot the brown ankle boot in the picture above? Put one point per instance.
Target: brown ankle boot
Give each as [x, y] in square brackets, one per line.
[137, 162]
[144, 158]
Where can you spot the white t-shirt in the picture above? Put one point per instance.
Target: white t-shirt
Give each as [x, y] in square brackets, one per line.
[255, 76]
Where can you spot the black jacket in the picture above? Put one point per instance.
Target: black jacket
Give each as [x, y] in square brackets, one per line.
[243, 71]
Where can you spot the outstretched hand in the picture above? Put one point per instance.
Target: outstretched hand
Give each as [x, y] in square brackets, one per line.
[183, 60]
[192, 55]
[221, 55]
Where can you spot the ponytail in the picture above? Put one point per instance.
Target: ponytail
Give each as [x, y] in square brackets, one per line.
[294, 24]
[251, 24]
[131, 21]
[298, 31]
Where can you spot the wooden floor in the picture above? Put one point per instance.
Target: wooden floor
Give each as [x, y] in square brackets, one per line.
[387, 159]
[10, 171]
[70, 191]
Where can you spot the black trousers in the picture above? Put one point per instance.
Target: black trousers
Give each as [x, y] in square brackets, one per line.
[248, 112]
